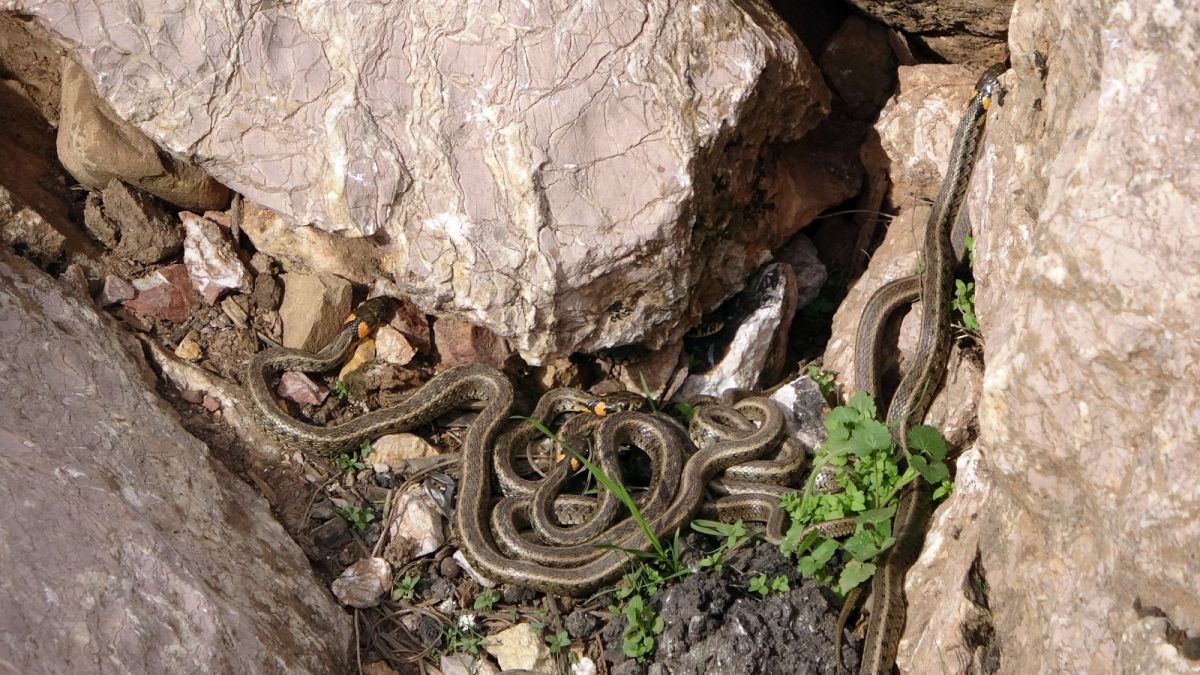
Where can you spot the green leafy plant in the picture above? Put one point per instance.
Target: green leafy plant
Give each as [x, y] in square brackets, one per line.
[763, 586]
[340, 390]
[405, 588]
[735, 534]
[824, 380]
[964, 303]
[358, 517]
[642, 625]
[866, 466]
[353, 460]
[462, 637]
[557, 642]
[487, 600]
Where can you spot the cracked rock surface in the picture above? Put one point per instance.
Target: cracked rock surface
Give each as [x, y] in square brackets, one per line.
[569, 179]
[123, 542]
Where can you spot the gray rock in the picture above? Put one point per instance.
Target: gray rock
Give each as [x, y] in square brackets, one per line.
[211, 259]
[604, 193]
[132, 224]
[121, 528]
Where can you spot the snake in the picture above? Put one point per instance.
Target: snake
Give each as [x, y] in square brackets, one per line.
[486, 523]
[933, 285]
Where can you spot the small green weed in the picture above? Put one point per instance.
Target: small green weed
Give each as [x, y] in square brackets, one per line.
[735, 534]
[487, 600]
[763, 586]
[405, 588]
[353, 460]
[358, 517]
[642, 625]
[558, 641]
[824, 380]
[462, 637]
[964, 303]
[340, 390]
[860, 449]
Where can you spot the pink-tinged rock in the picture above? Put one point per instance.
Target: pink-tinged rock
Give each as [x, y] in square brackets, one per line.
[393, 347]
[210, 404]
[414, 324]
[115, 290]
[461, 342]
[211, 260]
[364, 583]
[417, 529]
[299, 388]
[164, 294]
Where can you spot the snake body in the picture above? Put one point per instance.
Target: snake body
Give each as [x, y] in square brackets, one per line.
[934, 286]
[489, 525]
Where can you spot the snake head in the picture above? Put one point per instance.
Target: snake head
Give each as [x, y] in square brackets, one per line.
[371, 314]
[989, 86]
[610, 404]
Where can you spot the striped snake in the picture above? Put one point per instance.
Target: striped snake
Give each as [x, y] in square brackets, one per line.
[489, 526]
[489, 529]
[942, 249]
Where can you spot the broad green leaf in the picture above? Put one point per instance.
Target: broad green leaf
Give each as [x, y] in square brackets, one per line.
[928, 440]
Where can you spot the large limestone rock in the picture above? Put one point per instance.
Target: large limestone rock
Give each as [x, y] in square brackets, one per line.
[569, 177]
[1087, 222]
[125, 547]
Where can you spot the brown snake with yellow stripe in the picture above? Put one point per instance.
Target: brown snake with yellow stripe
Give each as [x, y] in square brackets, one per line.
[934, 286]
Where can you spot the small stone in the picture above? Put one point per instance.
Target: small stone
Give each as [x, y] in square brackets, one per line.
[558, 372]
[583, 666]
[391, 346]
[759, 346]
[132, 319]
[332, 534]
[76, 278]
[115, 290]
[395, 449]
[520, 648]
[652, 373]
[236, 308]
[299, 388]
[466, 567]
[267, 291]
[192, 396]
[417, 528]
[211, 260]
[581, 624]
[364, 353]
[414, 324]
[461, 342]
[189, 347]
[448, 569]
[210, 404]
[261, 263]
[364, 583]
[465, 664]
[164, 294]
[804, 407]
[146, 233]
[314, 307]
